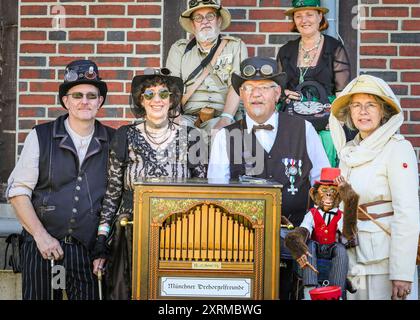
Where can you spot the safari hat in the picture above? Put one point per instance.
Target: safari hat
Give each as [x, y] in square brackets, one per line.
[185, 18]
[369, 85]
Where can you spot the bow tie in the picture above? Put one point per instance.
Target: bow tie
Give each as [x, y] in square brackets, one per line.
[331, 212]
[262, 127]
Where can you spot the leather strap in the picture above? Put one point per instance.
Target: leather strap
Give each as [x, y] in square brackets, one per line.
[205, 61]
[369, 217]
[386, 205]
[375, 216]
[204, 74]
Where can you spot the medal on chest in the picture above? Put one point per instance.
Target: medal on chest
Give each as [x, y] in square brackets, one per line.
[223, 66]
[293, 169]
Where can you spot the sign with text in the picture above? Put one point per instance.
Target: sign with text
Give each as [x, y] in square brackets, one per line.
[205, 287]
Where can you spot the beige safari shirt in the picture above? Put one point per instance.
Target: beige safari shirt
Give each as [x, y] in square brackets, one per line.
[213, 90]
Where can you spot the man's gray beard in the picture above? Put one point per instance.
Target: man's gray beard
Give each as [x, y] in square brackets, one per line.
[207, 36]
[258, 111]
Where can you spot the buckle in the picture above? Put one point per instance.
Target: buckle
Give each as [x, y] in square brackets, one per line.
[69, 240]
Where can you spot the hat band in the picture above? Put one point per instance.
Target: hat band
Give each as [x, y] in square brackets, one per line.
[326, 181]
[71, 75]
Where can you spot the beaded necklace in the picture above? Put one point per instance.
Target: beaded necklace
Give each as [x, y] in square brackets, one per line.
[307, 58]
[154, 138]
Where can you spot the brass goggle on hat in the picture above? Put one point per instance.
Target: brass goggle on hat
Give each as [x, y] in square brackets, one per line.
[257, 68]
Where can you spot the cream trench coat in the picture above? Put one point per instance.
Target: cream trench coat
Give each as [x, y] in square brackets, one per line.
[383, 167]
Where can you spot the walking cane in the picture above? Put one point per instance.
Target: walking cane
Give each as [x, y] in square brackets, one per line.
[52, 277]
[100, 283]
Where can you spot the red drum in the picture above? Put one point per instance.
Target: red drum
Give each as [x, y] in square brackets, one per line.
[326, 293]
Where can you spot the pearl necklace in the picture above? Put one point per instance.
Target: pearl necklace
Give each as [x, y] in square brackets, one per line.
[307, 59]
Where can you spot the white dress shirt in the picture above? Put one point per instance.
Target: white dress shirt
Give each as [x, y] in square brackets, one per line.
[24, 177]
[219, 160]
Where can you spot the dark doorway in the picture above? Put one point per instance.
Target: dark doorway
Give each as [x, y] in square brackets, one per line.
[347, 27]
[8, 67]
[172, 30]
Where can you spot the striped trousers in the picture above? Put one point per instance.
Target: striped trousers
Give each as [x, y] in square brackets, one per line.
[337, 253]
[80, 282]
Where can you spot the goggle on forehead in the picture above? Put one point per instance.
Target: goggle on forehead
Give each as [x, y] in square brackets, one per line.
[71, 75]
[194, 3]
[158, 72]
[265, 70]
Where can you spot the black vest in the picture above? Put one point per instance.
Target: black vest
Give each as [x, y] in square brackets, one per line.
[67, 199]
[287, 154]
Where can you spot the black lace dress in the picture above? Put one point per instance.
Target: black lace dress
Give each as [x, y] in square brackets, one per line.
[139, 157]
[133, 156]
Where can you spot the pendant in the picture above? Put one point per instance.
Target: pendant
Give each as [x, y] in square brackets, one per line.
[302, 74]
[306, 58]
[301, 78]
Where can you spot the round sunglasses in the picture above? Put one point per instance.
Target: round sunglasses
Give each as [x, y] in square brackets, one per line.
[150, 94]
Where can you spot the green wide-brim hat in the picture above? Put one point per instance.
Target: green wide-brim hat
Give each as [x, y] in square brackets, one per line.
[306, 5]
[186, 22]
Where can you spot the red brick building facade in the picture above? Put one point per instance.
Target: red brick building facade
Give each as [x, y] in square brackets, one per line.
[126, 36]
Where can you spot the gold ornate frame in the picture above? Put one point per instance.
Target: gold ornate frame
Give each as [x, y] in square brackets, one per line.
[153, 203]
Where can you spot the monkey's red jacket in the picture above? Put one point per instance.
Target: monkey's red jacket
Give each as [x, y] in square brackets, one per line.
[322, 233]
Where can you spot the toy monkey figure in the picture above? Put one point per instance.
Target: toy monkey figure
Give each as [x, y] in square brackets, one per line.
[319, 232]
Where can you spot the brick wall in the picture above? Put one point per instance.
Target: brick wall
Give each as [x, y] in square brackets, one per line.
[390, 48]
[124, 37]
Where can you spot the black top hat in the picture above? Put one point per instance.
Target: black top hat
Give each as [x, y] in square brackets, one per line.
[257, 68]
[82, 72]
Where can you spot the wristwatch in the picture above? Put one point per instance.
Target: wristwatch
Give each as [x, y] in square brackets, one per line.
[228, 115]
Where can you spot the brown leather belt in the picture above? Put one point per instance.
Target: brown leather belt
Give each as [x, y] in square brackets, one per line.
[362, 217]
[375, 216]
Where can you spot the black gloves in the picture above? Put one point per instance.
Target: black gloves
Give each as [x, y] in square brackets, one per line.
[100, 250]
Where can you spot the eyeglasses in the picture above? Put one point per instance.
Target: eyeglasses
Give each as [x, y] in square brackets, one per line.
[370, 106]
[199, 18]
[162, 93]
[250, 70]
[194, 3]
[80, 95]
[263, 88]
